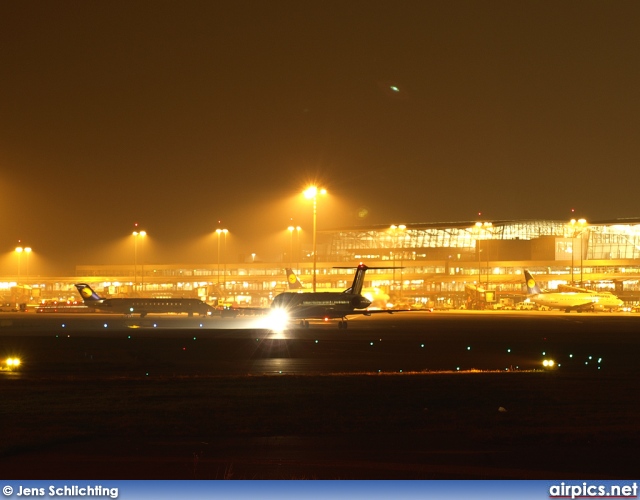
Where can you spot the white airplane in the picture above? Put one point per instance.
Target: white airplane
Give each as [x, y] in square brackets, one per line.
[326, 305]
[577, 299]
[143, 305]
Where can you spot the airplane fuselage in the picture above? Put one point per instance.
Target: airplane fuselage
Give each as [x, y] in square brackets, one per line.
[144, 306]
[319, 304]
[577, 300]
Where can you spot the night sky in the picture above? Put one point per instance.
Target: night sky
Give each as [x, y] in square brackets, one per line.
[177, 115]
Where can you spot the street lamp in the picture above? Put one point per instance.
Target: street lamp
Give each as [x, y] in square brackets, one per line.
[136, 235]
[311, 193]
[578, 228]
[219, 232]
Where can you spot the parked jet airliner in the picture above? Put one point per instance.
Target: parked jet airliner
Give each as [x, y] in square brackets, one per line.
[143, 305]
[584, 300]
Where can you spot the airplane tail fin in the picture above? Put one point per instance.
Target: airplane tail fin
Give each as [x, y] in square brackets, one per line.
[292, 279]
[532, 287]
[358, 280]
[87, 293]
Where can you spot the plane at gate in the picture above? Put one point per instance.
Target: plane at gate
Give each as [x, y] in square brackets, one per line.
[577, 299]
[143, 305]
[327, 305]
[292, 279]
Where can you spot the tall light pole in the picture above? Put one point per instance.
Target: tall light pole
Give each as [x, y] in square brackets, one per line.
[479, 228]
[19, 251]
[482, 226]
[578, 227]
[394, 230]
[27, 251]
[136, 235]
[291, 229]
[219, 232]
[299, 249]
[224, 260]
[311, 193]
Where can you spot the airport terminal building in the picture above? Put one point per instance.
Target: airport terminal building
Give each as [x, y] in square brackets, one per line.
[433, 263]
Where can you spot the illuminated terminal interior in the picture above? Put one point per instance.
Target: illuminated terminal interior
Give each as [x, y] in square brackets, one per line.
[435, 264]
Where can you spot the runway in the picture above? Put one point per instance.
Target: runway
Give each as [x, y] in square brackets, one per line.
[411, 342]
[445, 395]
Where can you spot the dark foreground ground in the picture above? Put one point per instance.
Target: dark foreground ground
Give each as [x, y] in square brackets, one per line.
[77, 418]
[411, 426]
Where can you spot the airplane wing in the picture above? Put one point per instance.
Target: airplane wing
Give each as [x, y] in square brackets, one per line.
[233, 311]
[585, 306]
[369, 312]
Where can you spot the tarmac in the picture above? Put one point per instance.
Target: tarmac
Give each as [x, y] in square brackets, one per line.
[445, 395]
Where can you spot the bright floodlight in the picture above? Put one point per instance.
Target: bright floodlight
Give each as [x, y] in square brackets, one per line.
[13, 362]
[312, 191]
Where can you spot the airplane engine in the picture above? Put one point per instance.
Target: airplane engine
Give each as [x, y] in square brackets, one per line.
[360, 302]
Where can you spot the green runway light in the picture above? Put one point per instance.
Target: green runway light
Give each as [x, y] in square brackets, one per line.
[508, 350]
[316, 341]
[194, 338]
